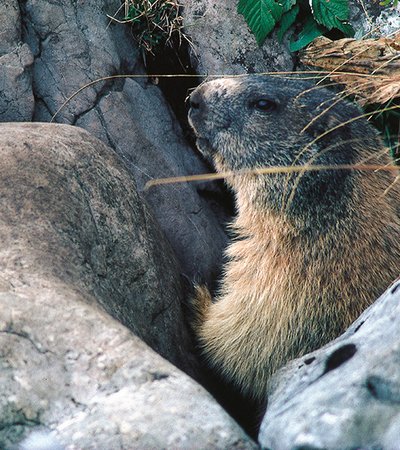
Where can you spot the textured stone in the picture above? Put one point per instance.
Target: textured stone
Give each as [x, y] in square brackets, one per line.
[75, 235]
[374, 20]
[74, 43]
[223, 43]
[70, 212]
[10, 33]
[85, 382]
[388, 21]
[16, 96]
[345, 395]
[193, 229]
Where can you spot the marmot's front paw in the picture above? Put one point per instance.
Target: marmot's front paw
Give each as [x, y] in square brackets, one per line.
[199, 304]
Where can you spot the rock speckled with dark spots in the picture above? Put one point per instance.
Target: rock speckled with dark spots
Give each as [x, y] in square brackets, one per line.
[345, 395]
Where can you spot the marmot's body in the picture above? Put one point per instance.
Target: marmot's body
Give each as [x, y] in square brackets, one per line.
[313, 251]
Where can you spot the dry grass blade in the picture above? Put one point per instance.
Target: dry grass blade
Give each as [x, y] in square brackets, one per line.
[269, 171]
[305, 75]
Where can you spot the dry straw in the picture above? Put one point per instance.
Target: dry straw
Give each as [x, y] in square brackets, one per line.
[369, 70]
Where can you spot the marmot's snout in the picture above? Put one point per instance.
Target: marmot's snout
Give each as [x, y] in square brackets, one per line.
[209, 115]
[210, 107]
[198, 111]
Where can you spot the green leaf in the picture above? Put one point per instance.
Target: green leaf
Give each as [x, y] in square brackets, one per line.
[287, 4]
[310, 31]
[287, 21]
[330, 13]
[388, 2]
[261, 16]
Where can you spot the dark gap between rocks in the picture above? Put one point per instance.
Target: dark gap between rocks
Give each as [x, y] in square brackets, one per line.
[176, 60]
[173, 60]
[246, 412]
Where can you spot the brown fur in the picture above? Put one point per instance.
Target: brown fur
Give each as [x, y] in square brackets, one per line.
[285, 290]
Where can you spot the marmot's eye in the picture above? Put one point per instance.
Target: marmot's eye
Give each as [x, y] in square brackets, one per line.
[264, 104]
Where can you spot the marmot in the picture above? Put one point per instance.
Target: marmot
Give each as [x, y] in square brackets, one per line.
[312, 251]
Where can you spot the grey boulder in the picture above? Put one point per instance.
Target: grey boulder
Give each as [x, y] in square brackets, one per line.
[78, 241]
[345, 395]
[71, 213]
[141, 128]
[73, 378]
[16, 59]
[222, 43]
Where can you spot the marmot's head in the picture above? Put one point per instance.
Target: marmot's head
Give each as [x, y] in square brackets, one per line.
[259, 121]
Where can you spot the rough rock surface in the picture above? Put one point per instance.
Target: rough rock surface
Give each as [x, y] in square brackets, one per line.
[70, 211]
[345, 395]
[70, 370]
[373, 19]
[74, 235]
[16, 96]
[67, 44]
[224, 45]
[152, 146]
[388, 21]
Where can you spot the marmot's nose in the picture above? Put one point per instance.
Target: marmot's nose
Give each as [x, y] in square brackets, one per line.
[196, 101]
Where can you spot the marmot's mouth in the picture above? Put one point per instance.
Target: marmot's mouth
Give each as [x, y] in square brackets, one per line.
[204, 145]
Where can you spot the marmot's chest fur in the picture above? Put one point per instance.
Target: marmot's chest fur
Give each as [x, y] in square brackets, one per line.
[313, 249]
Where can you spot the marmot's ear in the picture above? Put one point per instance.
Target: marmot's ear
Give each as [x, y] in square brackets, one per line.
[334, 127]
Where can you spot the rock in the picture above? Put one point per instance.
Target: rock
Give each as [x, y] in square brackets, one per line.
[16, 97]
[74, 44]
[345, 395]
[75, 235]
[223, 43]
[40, 440]
[388, 21]
[83, 381]
[194, 230]
[70, 212]
[372, 20]
[11, 26]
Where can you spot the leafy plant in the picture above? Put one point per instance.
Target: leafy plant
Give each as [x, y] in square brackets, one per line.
[310, 31]
[154, 22]
[262, 16]
[388, 2]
